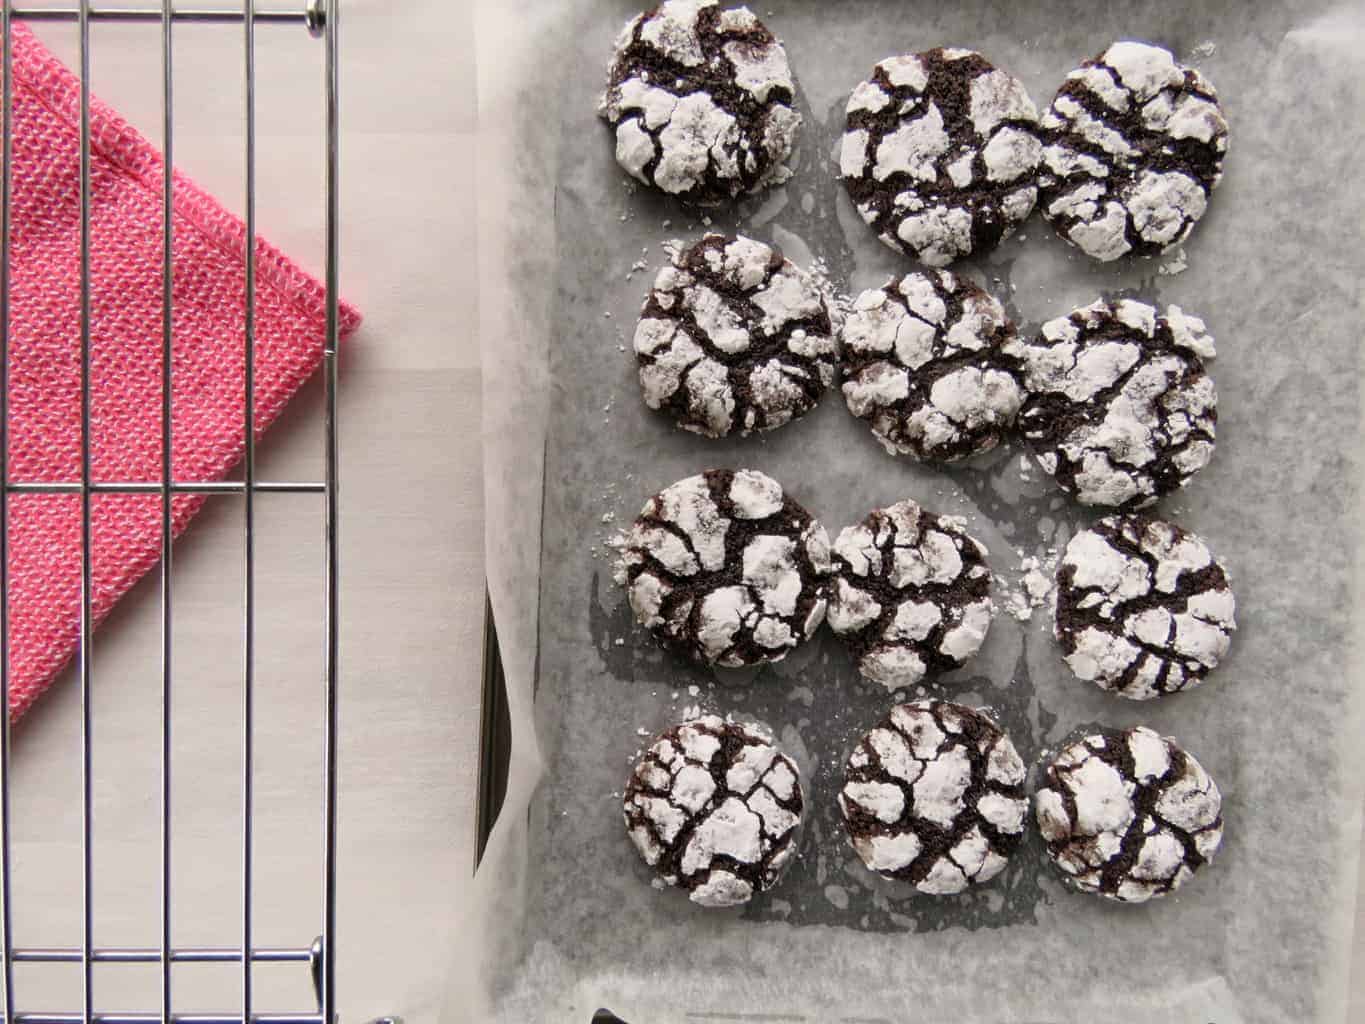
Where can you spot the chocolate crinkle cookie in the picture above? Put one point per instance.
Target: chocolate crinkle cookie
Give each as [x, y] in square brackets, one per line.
[1128, 815]
[1143, 608]
[1118, 407]
[725, 569]
[715, 808]
[1134, 145]
[700, 100]
[911, 594]
[924, 364]
[940, 154]
[934, 796]
[734, 338]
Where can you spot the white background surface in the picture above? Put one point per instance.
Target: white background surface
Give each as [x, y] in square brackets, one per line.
[412, 560]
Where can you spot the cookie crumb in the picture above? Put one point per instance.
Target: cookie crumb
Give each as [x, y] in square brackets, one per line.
[1175, 265]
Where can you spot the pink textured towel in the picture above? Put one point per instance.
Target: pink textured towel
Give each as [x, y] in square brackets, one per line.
[207, 375]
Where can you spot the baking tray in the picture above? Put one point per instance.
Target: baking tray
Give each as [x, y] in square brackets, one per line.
[495, 751]
[1265, 59]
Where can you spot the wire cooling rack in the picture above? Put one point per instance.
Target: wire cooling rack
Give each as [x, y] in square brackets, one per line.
[320, 18]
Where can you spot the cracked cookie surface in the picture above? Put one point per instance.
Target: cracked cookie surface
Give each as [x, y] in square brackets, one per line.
[734, 338]
[1118, 407]
[910, 594]
[934, 795]
[940, 154]
[1143, 608]
[1134, 144]
[725, 569]
[700, 101]
[924, 364]
[715, 808]
[1128, 814]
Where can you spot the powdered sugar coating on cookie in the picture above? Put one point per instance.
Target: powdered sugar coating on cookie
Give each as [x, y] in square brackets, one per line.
[934, 796]
[1128, 814]
[715, 808]
[1119, 409]
[1134, 145]
[725, 569]
[1143, 607]
[910, 595]
[700, 100]
[734, 338]
[924, 364]
[940, 154]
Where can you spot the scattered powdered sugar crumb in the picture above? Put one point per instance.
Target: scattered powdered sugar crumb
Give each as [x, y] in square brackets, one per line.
[1031, 586]
[838, 303]
[1175, 265]
[1204, 50]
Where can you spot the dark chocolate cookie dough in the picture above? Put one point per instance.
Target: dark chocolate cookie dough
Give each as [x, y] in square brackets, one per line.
[715, 808]
[1143, 608]
[924, 365]
[1127, 814]
[940, 154]
[934, 796]
[1118, 407]
[700, 101]
[733, 338]
[725, 569]
[1134, 144]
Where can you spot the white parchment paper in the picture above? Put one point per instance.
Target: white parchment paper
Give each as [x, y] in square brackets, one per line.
[563, 920]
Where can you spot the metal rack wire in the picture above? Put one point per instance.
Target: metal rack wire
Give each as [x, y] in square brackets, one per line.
[321, 18]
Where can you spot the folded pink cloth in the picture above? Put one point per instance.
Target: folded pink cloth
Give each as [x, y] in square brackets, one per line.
[126, 332]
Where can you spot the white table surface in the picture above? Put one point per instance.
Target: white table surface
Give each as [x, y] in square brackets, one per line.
[412, 563]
